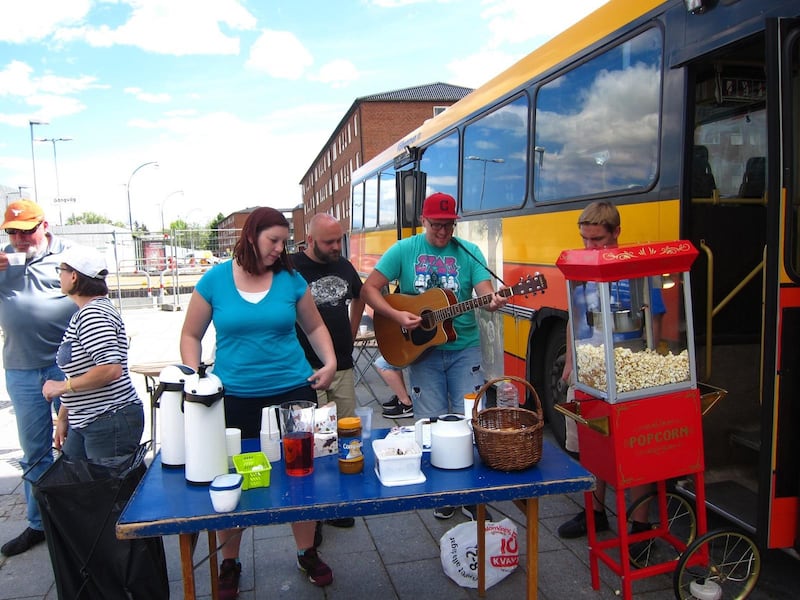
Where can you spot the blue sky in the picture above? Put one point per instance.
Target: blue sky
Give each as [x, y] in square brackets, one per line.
[232, 98]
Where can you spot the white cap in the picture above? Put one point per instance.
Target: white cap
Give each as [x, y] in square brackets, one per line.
[87, 261]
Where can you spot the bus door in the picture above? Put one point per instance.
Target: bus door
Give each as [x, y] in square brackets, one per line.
[782, 511]
[733, 212]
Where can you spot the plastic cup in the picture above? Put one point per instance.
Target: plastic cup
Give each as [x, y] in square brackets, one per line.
[365, 414]
[15, 259]
[233, 443]
[297, 425]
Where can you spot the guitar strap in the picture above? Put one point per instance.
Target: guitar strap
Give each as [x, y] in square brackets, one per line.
[485, 266]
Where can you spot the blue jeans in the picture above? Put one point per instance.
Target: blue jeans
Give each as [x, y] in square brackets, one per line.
[441, 378]
[117, 433]
[34, 416]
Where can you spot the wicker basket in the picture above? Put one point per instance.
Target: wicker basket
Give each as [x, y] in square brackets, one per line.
[508, 439]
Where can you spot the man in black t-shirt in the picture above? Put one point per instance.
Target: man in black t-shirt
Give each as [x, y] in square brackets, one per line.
[336, 288]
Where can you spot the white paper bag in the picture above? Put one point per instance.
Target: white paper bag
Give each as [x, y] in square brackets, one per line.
[459, 552]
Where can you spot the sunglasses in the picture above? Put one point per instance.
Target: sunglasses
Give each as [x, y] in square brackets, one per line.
[60, 270]
[23, 231]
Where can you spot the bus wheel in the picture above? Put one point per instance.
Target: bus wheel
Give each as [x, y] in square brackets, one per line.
[719, 564]
[554, 390]
[680, 530]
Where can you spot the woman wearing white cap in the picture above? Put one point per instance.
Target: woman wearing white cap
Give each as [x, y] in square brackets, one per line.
[101, 415]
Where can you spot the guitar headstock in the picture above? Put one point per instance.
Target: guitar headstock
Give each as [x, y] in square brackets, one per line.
[532, 284]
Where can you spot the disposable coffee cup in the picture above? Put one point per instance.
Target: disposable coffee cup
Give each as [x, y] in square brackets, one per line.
[15, 259]
[365, 414]
[233, 443]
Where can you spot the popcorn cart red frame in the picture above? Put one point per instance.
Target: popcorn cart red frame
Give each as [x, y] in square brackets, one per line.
[638, 411]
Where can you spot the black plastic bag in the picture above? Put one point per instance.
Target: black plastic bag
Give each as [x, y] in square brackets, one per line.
[81, 502]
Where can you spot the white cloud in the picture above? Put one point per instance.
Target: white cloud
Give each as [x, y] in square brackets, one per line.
[150, 97]
[162, 27]
[32, 20]
[45, 97]
[519, 21]
[279, 54]
[515, 22]
[337, 72]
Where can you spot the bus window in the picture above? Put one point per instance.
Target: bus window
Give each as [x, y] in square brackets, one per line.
[371, 202]
[440, 164]
[358, 207]
[495, 151]
[736, 145]
[388, 199]
[597, 125]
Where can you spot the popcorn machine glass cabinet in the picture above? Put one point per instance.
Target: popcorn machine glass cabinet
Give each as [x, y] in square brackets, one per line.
[629, 336]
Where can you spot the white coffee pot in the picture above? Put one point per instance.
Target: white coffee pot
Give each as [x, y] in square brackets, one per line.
[451, 442]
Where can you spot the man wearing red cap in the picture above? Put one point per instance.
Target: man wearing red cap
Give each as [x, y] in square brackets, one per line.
[34, 314]
[441, 377]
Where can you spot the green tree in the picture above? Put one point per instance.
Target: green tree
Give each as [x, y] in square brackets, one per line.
[88, 218]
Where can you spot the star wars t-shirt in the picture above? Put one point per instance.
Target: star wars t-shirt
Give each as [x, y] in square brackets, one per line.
[418, 267]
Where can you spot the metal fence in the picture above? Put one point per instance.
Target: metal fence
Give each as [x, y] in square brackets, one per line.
[150, 269]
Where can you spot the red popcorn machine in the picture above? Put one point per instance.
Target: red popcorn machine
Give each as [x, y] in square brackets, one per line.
[638, 411]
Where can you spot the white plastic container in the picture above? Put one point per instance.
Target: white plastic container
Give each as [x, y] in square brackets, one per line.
[225, 492]
[397, 460]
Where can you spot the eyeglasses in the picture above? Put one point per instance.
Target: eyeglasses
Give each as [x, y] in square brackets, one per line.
[60, 270]
[448, 226]
[24, 231]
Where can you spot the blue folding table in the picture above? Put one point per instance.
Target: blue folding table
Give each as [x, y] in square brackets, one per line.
[164, 504]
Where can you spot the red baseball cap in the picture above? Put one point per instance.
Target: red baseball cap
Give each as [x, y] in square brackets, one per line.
[439, 206]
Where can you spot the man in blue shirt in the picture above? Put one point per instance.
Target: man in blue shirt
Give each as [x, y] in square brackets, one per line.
[599, 226]
[34, 313]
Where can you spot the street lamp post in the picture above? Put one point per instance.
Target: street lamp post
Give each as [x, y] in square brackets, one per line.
[59, 200]
[170, 195]
[31, 122]
[483, 179]
[128, 187]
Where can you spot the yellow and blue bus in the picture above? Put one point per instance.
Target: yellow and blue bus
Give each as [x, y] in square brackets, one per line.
[683, 113]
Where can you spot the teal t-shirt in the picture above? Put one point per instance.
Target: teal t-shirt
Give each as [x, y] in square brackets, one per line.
[257, 353]
[417, 266]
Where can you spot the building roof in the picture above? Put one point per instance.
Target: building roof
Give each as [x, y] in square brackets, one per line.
[432, 92]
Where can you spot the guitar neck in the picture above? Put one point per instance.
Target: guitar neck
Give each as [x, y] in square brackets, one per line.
[459, 308]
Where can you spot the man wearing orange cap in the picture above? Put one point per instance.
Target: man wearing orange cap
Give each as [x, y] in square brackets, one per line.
[34, 314]
[442, 376]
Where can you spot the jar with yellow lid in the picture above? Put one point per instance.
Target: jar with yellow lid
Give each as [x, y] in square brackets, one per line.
[351, 459]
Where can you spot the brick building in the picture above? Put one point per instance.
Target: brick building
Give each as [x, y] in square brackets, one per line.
[371, 124]
[230, 228]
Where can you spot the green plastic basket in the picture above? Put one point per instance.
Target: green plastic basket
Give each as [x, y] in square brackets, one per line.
[254, 468]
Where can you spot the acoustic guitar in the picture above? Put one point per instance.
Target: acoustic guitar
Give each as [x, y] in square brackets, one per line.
[437, 307]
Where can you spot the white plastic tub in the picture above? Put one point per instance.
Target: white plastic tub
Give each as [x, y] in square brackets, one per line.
[397, 460]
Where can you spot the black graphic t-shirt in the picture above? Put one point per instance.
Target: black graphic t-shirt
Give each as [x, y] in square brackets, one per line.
[332, 285]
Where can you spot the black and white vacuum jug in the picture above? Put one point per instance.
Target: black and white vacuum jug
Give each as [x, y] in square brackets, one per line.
[169, 400]
[204, 419]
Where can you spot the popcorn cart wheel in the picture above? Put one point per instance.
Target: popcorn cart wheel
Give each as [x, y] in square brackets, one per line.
[722, 564]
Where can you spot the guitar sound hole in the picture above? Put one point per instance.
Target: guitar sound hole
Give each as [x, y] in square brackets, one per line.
[427, 321]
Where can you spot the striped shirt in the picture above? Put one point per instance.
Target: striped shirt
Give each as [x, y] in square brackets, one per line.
[96, 336]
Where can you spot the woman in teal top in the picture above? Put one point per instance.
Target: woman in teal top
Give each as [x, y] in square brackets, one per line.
[254, 301]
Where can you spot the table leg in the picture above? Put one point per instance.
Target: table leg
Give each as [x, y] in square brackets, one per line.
[151, 386]
[187, 564]
[532, 539]
[481, 525]
[212, 564]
